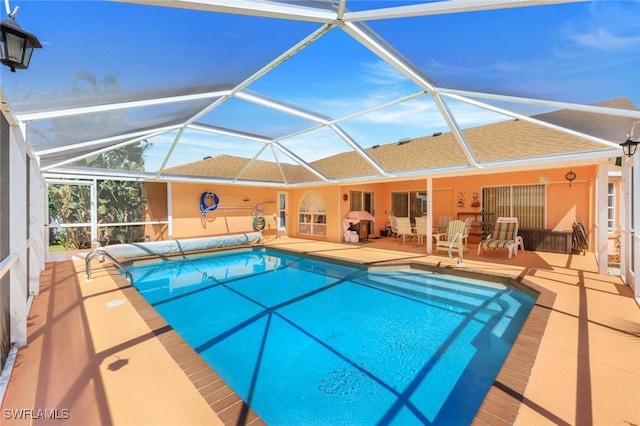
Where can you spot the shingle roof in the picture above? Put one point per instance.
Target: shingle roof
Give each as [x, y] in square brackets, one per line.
[497, 142]
[229, 167]
[613, 128]
[512, 140]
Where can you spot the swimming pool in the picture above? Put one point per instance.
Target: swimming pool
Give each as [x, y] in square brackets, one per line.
[304, 341]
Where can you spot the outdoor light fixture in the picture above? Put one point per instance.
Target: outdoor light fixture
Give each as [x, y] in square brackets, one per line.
[629, 146]
[16, 45]
[570, 176]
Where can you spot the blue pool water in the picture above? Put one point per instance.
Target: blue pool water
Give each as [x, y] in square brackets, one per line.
[306, 342]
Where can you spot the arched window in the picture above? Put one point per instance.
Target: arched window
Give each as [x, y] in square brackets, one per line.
[312, 217]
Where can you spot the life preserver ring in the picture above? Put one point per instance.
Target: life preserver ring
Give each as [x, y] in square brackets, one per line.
[259, 222]
[208, 202]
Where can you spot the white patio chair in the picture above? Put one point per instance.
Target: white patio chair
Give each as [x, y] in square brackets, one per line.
[404, 228]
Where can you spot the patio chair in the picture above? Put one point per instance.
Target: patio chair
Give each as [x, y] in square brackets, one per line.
[394, 225]
[504, 236]
[404, 228]
[443, 223]
[421, 228]
[453, 237]
[440, 230]
[467, 231]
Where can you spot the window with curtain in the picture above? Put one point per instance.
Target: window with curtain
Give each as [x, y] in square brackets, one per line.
[497, 200]
[399, 204]
[526, 202]
[355, 204]
[410, 204]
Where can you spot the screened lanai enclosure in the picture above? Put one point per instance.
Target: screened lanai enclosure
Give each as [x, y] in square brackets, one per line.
[265, 92]
[291, 94]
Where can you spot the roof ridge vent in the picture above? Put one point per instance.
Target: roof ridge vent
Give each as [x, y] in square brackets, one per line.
[436, 134]
[404, 140]
[206, 158]
[375, 146]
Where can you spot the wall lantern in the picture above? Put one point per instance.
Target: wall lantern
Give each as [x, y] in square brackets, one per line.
[16, 44]
[570, 176]
[629, 146]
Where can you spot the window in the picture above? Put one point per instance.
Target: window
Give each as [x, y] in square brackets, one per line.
[409, 204]
[355, 203]
[611, 207]
[70, 207]
[526, 202]
[117, 216]
[312, 217]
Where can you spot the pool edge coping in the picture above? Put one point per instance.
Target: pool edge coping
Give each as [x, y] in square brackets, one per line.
[224, 402]
[500, 405]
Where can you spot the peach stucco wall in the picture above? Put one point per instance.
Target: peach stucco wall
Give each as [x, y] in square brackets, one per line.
[234, 213]
[564, 203]
[156, 195]
[332, 200]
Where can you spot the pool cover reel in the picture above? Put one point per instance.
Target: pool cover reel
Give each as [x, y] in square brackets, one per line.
[169, 247]
[205, 202]
[259, 222]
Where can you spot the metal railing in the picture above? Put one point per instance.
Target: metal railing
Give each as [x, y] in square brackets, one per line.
[99, 251]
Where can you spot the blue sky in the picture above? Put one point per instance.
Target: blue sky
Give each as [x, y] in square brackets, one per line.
[579, 52]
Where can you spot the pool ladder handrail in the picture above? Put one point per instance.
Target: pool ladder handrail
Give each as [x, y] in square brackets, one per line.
[100, 251]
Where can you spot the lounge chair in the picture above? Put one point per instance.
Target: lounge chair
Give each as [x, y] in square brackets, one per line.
[504, 236]
[404, 228]
[453, 238]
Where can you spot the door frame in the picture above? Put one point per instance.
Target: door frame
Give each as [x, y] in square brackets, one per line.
[282, 218]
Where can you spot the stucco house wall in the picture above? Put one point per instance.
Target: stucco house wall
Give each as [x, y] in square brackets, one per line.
[565, 202]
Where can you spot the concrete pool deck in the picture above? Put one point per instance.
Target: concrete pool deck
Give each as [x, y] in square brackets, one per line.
[98, 351]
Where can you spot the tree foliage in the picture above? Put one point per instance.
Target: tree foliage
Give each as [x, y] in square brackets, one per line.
[118, 201]
[70, 204]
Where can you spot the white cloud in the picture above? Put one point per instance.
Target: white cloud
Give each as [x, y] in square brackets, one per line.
[509, 66]
[416, 112]
[315, 145]
[381, 73]
[377, 83]
[603, 39]
[609, 26]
